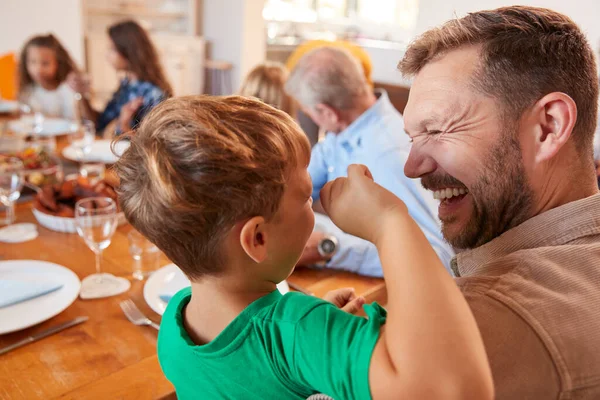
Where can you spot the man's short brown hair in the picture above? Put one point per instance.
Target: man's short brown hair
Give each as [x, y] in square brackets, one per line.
[525, 53]
[197, 165]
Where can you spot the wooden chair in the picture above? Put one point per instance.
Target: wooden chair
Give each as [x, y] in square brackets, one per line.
[218, 78]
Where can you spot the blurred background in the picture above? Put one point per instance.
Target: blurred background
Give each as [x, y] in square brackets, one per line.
[208, 46]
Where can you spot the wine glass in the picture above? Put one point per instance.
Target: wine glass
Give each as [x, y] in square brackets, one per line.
[11, 183]
[82, 138]
[96, 222]
[38, 123]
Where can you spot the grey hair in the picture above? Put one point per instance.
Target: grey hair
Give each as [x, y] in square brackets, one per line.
[327, 75]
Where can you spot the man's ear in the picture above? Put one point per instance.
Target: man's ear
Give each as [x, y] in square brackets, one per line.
[554, 115]
[328, 113]
[253, 239]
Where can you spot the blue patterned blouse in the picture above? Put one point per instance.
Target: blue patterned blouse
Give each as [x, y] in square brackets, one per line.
[129, 90]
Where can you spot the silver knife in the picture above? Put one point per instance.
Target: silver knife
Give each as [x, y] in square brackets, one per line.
[43, 334]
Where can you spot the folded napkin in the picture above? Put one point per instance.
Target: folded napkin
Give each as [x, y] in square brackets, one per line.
[13, 291]
[17, 233]
[178, 282]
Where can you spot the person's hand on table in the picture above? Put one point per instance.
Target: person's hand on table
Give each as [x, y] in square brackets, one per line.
[79, 83]
[359, 206]
[127, 113]
[345, 299]
[310, 255]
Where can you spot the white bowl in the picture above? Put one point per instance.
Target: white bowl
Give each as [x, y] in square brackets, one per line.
[64, 224]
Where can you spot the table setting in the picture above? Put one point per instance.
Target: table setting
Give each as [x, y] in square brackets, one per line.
[81, 291]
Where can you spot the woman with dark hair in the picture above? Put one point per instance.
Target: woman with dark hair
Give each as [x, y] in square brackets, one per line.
[143, 87]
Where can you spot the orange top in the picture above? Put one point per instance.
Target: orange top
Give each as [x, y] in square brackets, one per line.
[358, 52]
[8, 76]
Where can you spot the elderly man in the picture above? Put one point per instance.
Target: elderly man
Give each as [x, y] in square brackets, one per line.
[364, 128]
[503, 108]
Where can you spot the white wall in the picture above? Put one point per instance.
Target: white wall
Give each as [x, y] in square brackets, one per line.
[235, 32]
[584, 12]
[21, 19]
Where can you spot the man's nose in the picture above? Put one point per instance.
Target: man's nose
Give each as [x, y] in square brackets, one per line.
[418, 164]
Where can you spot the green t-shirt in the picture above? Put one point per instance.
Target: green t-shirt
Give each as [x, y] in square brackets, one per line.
[280, 347]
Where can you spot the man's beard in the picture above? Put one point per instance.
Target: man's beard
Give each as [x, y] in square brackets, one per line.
[502, 198]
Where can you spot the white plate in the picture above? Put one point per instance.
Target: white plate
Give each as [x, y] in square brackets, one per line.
[50, 126]
[8, 106]
[100, 152]
[172, 275]
[31, 312]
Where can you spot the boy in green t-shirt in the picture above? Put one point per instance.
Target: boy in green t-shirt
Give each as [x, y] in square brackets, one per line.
[220, 184]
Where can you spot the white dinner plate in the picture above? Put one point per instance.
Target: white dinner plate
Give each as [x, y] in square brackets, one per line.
[50, 126]
[33, 311]
[8, 106]
[101, 152]
[172, 277]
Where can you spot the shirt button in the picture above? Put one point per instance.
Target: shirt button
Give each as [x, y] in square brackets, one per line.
[331, 169]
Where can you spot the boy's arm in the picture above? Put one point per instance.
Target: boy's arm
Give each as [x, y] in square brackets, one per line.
[430, 347]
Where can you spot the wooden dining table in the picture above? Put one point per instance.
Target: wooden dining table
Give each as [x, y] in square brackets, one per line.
[108, 357]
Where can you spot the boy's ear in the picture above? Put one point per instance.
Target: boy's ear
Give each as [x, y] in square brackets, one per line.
[253, 238]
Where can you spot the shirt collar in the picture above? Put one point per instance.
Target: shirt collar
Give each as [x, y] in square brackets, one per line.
[554, 227]
[352, 135]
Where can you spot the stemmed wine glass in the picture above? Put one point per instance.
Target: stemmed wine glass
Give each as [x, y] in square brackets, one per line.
[96, 222]
[82, 138]
[11, 183]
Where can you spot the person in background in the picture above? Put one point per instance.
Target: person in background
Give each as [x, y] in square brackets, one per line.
[503, 107]
[363, 128]
[144, 86]
[308, 125]
[357, 52]
[43, 70]
[266, 82]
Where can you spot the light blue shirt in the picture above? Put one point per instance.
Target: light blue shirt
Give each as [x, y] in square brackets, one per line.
[377, 140]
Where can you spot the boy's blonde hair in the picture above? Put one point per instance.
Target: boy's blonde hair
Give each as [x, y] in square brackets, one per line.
[197, 165]
[266, 82]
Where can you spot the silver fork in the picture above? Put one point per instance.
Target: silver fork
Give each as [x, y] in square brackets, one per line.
[135, 316]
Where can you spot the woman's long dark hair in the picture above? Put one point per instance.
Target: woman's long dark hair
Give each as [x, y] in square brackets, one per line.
[133, 43]
[63, 59]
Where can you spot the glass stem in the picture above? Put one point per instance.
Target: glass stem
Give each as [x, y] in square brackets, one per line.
[10, 212]
[98, 260]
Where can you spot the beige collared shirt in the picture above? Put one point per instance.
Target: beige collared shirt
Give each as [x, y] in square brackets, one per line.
[535, 293]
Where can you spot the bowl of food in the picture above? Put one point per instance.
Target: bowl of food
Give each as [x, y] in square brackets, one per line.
[41, 166]
[54, 205]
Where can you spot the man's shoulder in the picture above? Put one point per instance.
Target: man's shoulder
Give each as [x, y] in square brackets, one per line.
[549, 298]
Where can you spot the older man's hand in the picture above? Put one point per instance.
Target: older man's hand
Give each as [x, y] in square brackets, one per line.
[311, 255]
[346, 299]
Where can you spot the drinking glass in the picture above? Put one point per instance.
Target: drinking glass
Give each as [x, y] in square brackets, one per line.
[11, 183]
[82, 138]
[38, 123]
[145, 254]
[96, 222]
[92, 173]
